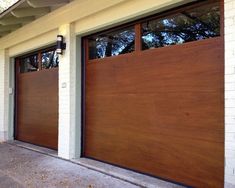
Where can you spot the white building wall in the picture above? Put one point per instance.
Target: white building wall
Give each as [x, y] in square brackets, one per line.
[4, 94]
[230, 91]
[68, 124]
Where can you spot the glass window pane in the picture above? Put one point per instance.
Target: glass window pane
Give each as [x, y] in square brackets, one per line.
[50, 59]
[189, 25]
[112, 43]
[29, 64]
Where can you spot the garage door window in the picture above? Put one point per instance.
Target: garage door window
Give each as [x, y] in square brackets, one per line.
[188, 25]
[37, 61]
[29, 64]
[114, 43]
[50, 59]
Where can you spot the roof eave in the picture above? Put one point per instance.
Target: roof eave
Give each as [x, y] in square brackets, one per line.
[12, 7]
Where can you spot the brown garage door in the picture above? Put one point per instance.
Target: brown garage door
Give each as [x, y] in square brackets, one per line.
[154, 99]
[37, 98]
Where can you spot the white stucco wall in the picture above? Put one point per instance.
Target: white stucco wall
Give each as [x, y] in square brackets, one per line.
[68, 96]
[230, 91]
[4, 94]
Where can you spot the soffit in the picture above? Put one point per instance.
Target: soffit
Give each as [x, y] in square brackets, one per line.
[25, 11]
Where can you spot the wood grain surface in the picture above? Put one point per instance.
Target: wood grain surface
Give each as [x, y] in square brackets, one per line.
[159, 112]
[37, 107]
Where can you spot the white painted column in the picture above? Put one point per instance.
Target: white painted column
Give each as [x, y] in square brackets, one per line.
[4, 95]
[230, 91]
[69, 145]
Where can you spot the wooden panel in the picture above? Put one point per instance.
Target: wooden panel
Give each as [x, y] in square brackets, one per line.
[160, 112]
[37, 107]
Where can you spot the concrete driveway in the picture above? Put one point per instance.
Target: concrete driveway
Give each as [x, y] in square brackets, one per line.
[21, 168]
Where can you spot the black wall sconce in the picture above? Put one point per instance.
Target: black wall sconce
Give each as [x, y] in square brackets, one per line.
[60, 45]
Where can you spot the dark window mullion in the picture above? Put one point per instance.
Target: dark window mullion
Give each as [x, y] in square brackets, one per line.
[138, 33]
[39, 61]
[87, 50]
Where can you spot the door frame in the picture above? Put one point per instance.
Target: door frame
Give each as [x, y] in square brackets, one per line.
[137, 25]
[16, 83]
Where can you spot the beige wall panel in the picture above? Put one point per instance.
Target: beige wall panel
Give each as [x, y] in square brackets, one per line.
[124, 12]
[34, 43]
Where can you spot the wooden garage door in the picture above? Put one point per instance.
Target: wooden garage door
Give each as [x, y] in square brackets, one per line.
[153, 96]
[37, 98]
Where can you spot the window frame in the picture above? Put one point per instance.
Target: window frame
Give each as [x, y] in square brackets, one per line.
[138, 27]
[112, 30]
[39, 57]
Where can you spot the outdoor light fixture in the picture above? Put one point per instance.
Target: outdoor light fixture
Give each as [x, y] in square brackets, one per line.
[60, 45]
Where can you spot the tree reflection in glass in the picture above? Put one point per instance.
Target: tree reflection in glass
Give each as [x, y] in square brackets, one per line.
[189, 25]
[114, 43]
[50, 59]
[29, 64]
